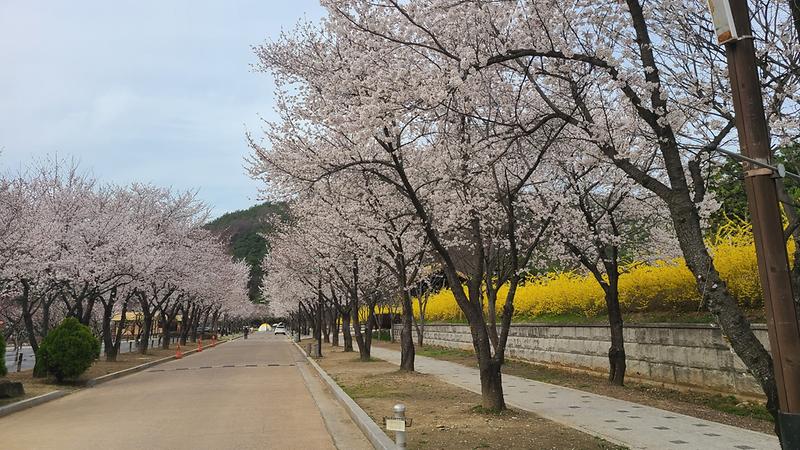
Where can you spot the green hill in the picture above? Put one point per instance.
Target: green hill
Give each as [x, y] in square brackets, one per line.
[242, 231]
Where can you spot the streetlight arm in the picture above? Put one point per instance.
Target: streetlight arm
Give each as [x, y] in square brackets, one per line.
[778, 170]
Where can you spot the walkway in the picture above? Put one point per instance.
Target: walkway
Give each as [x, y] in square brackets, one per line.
[247, 394]
[630, 424]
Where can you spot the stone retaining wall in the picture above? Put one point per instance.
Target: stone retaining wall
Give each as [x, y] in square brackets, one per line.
[679, 354]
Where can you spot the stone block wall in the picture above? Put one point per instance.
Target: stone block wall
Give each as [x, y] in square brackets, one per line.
[690, 355]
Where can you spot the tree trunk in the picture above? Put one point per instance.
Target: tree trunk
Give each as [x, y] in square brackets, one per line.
[326, 325]
[121, 327]
[318, 328]
[616, 353]
[194, 323]
[147, 327]
[363, 338]
[366, 355]
[108, 338]
[794, 220]
[185, 325]
[420, 323]
[348, 338]
[87, 313]
[720, 302]
[491, 299]
[214, 321]
[205, 322]
[362, 348]
[391, 327]
[795, 7]
[27, 316]
[420, 335]
[491, 384]
[334, 327]
[407, 351]
[489, 367]
[166, 324]
[46, 316]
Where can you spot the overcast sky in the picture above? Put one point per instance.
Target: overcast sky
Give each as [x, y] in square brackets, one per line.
[149, 91]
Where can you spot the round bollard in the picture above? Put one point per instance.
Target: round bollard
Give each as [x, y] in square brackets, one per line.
[400, 436]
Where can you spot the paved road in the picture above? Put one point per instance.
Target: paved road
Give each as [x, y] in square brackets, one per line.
[247, 394]
[636, 426]
[29, 359]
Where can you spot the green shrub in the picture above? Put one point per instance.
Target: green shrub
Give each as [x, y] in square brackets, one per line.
[3, 369]
[68, 350]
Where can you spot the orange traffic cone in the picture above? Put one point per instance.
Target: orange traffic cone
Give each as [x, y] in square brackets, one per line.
[200, 344]
[178, 354]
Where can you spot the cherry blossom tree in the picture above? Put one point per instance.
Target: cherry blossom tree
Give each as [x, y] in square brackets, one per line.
[469, 182]
[72, 247]
[644, 83]
[605, 221]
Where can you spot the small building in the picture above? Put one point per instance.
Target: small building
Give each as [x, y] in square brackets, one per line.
[134, 321]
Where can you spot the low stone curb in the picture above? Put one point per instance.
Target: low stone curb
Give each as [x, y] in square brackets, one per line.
[44, 398]
[371, 430]
[31, 402]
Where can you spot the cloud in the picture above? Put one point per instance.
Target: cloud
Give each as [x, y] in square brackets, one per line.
[146, 91]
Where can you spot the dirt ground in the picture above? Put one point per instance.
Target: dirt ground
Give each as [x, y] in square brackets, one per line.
[444, 416]
[713, 407]
[33, 386]
[39, 386]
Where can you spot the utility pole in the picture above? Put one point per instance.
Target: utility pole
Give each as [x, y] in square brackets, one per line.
[732, 23]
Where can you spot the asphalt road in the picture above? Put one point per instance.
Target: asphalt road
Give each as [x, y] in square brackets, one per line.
[246, 394]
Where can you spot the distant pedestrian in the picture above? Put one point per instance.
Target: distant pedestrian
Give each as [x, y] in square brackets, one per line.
[246, 332]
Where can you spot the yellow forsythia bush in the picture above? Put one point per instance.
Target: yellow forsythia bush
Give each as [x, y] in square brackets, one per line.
[661, 286]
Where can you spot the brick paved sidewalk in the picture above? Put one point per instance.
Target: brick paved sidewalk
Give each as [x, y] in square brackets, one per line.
[626, 423]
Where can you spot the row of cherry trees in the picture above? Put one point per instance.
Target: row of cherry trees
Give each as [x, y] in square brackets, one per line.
[70, 246]
[493, 140]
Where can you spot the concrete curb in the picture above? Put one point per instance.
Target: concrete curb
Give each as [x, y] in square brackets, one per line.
[371, 430]
[130, 370]
[31, 402]
[119, 374]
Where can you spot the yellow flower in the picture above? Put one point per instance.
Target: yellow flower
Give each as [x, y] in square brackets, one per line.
[666, 286]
